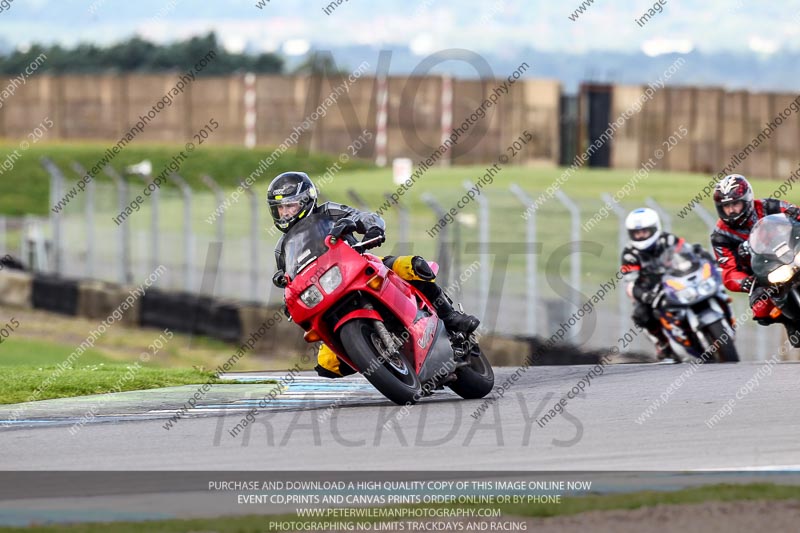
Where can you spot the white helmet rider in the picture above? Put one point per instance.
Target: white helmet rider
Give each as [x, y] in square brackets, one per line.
[644, 227]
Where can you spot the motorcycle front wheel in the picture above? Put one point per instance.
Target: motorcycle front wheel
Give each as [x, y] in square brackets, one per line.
[390, 373]
[717, 335]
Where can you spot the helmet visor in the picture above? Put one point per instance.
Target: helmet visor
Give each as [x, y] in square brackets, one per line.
[641, 234]
[285, 208]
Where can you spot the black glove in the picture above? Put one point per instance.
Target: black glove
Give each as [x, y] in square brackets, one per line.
[648, 297]
[763, 293]
[793, 212]
[373, 232]
[747, 284]
[343, 226]
[744, 251]
[279, 279]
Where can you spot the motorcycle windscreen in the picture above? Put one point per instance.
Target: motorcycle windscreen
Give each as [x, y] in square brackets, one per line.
[305, 242]
[772, 236]
[678, 261]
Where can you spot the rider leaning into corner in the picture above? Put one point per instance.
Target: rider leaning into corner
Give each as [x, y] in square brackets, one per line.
[738, 213]
[640, 271]
[292, 196]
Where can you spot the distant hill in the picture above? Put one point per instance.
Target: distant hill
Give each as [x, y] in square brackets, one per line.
[777, 72]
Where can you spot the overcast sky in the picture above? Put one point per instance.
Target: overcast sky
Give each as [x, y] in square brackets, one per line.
[291, 26]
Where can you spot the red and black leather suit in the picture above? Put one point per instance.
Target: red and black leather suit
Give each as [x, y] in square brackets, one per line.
[736, 271]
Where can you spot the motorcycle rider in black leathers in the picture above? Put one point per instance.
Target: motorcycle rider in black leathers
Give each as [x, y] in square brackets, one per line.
[639, 269]
[292, 196]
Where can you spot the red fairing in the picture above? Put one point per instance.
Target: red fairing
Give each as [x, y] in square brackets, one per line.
[423, 332]
[394, 294]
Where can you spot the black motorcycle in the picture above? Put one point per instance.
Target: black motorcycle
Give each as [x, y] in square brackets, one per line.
[774, 247]
[693, 308]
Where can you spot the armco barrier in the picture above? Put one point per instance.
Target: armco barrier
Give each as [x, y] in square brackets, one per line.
[16, 288]
[219, 320]
[190, 313]
[56, 294]
[174, 310]
[98, 299]
[283, 337]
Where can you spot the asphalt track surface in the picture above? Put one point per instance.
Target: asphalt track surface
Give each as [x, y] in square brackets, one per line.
[298, 431]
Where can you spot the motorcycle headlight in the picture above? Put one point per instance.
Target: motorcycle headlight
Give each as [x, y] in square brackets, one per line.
[331, 279]
[687, 295]
[782, 274]
[707, 287]
[311, 296]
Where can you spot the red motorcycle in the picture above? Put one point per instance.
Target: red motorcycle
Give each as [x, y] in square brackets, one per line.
[375, 321]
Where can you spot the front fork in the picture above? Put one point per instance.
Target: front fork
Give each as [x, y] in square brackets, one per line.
[387, 338]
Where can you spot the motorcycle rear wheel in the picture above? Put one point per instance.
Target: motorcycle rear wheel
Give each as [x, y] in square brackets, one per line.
[476, 379]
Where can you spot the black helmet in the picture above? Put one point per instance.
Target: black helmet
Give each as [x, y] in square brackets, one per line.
[730, 189]
[291, 188]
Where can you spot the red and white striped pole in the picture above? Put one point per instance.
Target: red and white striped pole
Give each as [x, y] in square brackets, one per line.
[380, 123]
[447, 116]
[250, 110]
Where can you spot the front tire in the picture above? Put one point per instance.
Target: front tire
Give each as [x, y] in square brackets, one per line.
[476, 379]
[391, 374]
[726, 352]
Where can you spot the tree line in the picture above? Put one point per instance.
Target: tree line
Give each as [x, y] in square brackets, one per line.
[139, 55]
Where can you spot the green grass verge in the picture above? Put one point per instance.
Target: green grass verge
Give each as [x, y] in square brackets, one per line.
[26, 364]
[18, 352]
[25, 187]
[570, 506]
[18, 383]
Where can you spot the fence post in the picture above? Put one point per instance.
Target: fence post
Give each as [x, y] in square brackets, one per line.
[575, 257]
[483, 236]
[188, 237]
[443, 256]
[358, 201]
[253, 241]
[154, 237]
[622, 241]
[56, 194]
[530, 264]
[404, 224]
[90, 233]
[219, 198]
[706, 217]
[125, 275]
[665, 217]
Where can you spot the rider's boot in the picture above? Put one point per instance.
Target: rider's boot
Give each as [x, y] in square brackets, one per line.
[661, 342]
[454, 321]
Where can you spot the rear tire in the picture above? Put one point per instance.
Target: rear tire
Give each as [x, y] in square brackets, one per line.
[726, 353]
[475, 380]
[394, 377]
